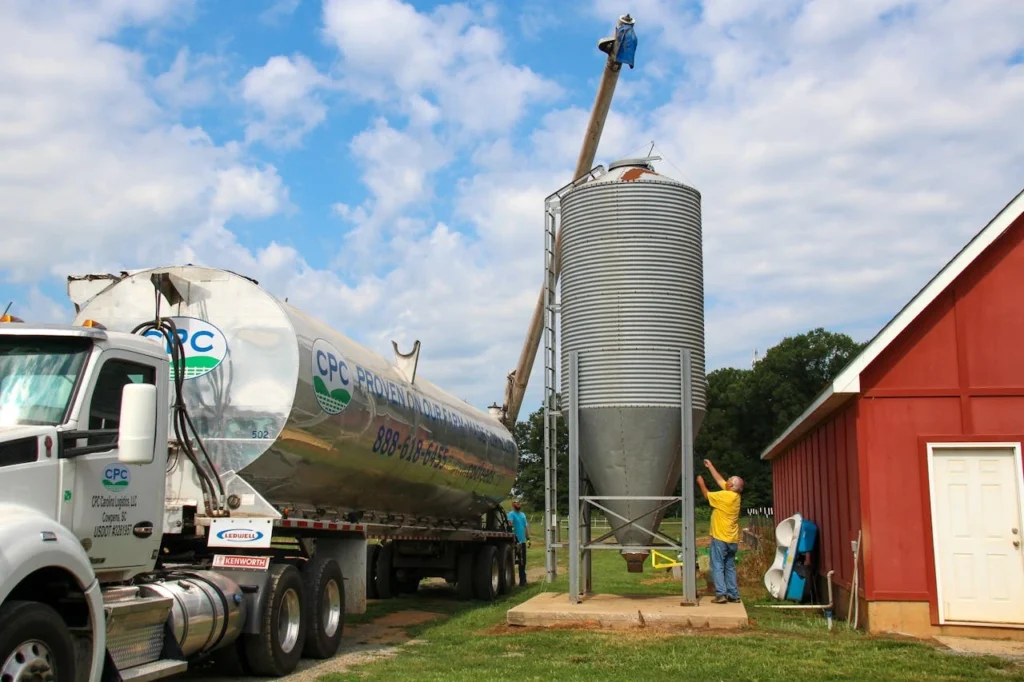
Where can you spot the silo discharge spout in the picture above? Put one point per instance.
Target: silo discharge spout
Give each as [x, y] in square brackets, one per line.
[635, 560]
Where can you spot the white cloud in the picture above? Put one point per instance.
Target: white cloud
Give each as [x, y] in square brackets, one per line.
[448, 63]
[185, 83]
[95, 174]
[247, 192]
[284, 91]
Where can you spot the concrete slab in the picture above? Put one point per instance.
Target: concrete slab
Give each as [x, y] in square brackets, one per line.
[551, 609]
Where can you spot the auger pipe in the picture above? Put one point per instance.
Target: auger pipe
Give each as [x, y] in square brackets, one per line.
[519, 378]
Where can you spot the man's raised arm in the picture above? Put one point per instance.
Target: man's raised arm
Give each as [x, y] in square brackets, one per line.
[714, 472]
[703, 487]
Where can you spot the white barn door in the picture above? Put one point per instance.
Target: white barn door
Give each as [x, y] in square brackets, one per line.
[976, 525]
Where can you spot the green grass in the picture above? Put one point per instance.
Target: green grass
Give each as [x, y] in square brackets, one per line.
[472, 642]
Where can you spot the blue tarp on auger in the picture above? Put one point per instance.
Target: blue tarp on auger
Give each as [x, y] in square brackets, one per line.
[627, 44]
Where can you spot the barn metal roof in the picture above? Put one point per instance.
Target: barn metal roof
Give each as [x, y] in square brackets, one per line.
[847, 383]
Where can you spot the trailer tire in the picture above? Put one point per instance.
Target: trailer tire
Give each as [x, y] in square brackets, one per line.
[372, 552]
[387, 586]
[508, 568]
[464, 575]
[325, 607]
[24, 626]
[488, 573]
[276, 649]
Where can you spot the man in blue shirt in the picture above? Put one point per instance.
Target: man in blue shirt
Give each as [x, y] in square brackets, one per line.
[521, 527]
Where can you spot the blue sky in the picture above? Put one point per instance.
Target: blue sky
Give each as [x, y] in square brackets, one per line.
[383, 163]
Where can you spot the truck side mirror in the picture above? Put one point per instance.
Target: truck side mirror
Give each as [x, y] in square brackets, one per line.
[136, 438]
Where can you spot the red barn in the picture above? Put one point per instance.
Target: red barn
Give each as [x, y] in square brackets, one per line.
[917, 445]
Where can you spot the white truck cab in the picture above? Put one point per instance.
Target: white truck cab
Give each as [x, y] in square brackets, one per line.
[82, 491]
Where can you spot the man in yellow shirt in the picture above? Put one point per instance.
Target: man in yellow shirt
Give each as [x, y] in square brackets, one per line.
[725, 532]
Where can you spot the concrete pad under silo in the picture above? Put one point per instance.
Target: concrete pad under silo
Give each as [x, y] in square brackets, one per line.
[552, 609]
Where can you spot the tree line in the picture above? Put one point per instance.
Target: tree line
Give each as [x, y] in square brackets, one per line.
[747, 410]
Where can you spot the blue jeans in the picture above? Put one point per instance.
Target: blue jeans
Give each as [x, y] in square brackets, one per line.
[723, 568]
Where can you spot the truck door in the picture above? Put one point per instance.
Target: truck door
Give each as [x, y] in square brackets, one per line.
[117, 507]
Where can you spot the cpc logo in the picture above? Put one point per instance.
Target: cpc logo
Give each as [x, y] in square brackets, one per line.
[332, 378]
[240, 535]
[205, 346]
[116, 477]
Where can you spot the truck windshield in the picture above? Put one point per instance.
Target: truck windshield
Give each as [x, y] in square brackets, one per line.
[38, 377]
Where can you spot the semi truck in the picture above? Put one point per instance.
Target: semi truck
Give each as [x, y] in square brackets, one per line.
[194, 468]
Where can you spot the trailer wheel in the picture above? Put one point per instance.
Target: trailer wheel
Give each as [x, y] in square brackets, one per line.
[35, 643]
[387, 587]
[372, 552]
[277, 648]
[488, 573]
[464, 575]
[325, 607]
[508, 568]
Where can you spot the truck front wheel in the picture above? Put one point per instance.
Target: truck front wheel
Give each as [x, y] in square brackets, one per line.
[277, 648]
[34, 644]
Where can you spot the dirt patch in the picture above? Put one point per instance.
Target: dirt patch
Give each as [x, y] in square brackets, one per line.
[362, 643]
[390, 629]
[404, 619]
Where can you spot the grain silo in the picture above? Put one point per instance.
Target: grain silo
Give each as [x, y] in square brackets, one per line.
[632, 297]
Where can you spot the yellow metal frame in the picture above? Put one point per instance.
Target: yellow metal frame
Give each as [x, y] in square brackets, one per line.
[668, 562]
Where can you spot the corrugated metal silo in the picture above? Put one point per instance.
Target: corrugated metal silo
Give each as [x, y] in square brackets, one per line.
[632, 296]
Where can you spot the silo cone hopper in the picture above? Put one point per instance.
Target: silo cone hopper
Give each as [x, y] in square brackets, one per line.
[634, 452]
[632, 299]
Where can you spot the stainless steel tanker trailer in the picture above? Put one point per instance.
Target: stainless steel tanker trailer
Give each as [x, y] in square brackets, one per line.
[229, 474]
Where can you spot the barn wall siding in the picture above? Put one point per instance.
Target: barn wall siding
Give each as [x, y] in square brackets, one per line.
[817, 478]
[894, 544]
[955, 372]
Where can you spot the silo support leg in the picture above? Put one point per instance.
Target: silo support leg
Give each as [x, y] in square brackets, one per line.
[588, 585]
[688, 532]
[574, 480]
